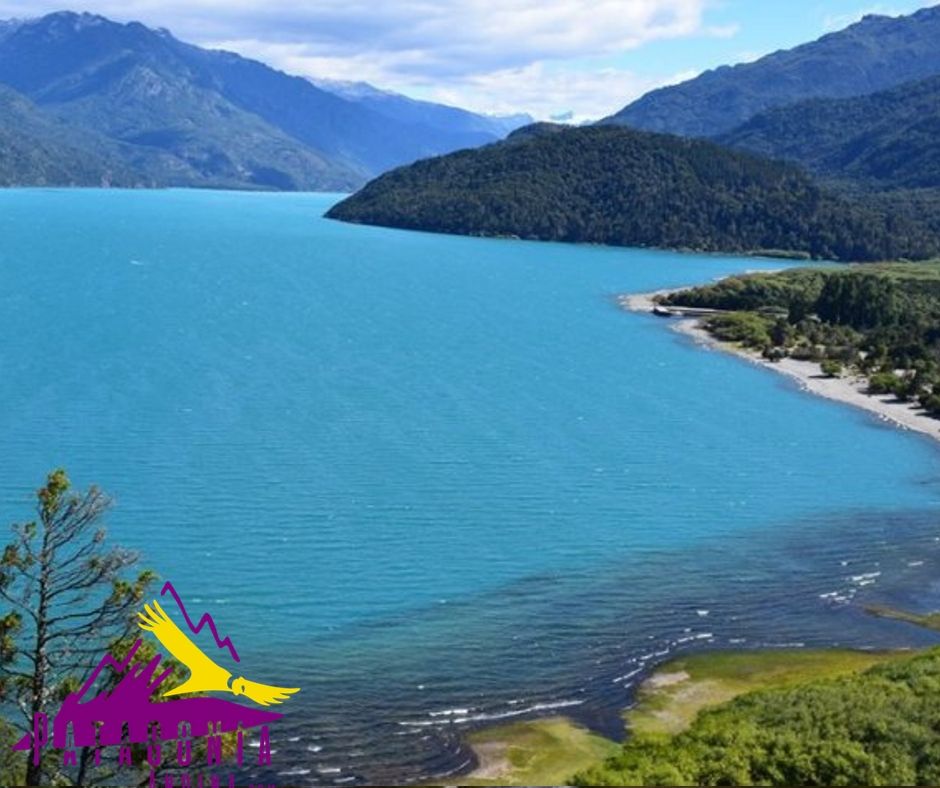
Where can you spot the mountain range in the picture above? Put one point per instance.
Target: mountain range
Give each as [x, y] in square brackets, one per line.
[889, 139]
[423, 113]
[856, 114]
[88, 101]
[105, 102]
[874, 54]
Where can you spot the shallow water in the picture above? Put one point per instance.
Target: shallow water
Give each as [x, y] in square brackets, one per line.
[437, 480]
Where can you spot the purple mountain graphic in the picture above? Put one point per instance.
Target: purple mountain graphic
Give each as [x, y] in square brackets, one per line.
[205, 620]
[130, 704]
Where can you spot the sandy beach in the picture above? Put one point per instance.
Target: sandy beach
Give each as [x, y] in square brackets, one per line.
[849, 389]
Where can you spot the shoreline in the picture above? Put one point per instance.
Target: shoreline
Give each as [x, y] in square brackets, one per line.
[671, 696]
[849, 390]
[546, 751]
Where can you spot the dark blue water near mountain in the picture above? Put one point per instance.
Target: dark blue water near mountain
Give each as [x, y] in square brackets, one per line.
[437, 481]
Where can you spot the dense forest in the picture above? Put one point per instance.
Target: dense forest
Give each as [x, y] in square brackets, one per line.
[886, 140]
[611, 185]
[880, 321]
[875, 728]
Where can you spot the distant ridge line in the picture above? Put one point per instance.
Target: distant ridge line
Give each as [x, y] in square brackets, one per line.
[206, 619]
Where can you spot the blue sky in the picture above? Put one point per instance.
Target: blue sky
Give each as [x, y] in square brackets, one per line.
[760, 28]
[732, 31]
[545, 57]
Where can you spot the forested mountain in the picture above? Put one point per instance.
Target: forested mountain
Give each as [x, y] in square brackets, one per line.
[887, 139]
[877, 53]
[51, 153]
[611, 185]
[181, 115]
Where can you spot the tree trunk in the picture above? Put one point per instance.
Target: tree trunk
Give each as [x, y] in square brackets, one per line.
[40, 664]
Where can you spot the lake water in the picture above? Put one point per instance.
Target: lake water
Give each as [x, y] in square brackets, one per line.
[437, 481]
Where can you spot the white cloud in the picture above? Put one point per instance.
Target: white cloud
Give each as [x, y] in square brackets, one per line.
[748, 56]
[544, 92]
[834, 22]
[473, 51]
[539, 88]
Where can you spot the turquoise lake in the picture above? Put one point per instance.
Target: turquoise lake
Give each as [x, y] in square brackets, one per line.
[437, 481]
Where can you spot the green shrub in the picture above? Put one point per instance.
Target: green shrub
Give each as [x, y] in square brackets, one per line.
[931, 403]
[747, 328]
[884, 383]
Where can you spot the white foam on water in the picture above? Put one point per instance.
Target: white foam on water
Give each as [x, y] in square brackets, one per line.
[627, 676]
[489, 717]
[562, 704]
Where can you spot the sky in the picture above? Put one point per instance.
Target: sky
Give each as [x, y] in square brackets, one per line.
[549, 58]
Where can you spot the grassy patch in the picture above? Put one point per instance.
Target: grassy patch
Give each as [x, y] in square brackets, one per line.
[536, 752]
[707, 680]
[928, 270]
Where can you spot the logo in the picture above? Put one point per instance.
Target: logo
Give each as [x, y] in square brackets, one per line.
[126, 702]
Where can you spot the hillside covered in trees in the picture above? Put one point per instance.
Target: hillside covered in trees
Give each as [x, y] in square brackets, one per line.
[37, 150]
[612, 185]
[882, 321]
[888, 140]
[875, 728]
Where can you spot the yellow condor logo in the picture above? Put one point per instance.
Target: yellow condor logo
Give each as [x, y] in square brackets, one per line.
[205, 675]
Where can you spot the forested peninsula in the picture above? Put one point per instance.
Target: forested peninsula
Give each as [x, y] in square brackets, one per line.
[616, 186]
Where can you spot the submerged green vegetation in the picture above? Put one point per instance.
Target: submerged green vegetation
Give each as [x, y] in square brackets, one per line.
[616, 186]
[925, 620]
[878, 321]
